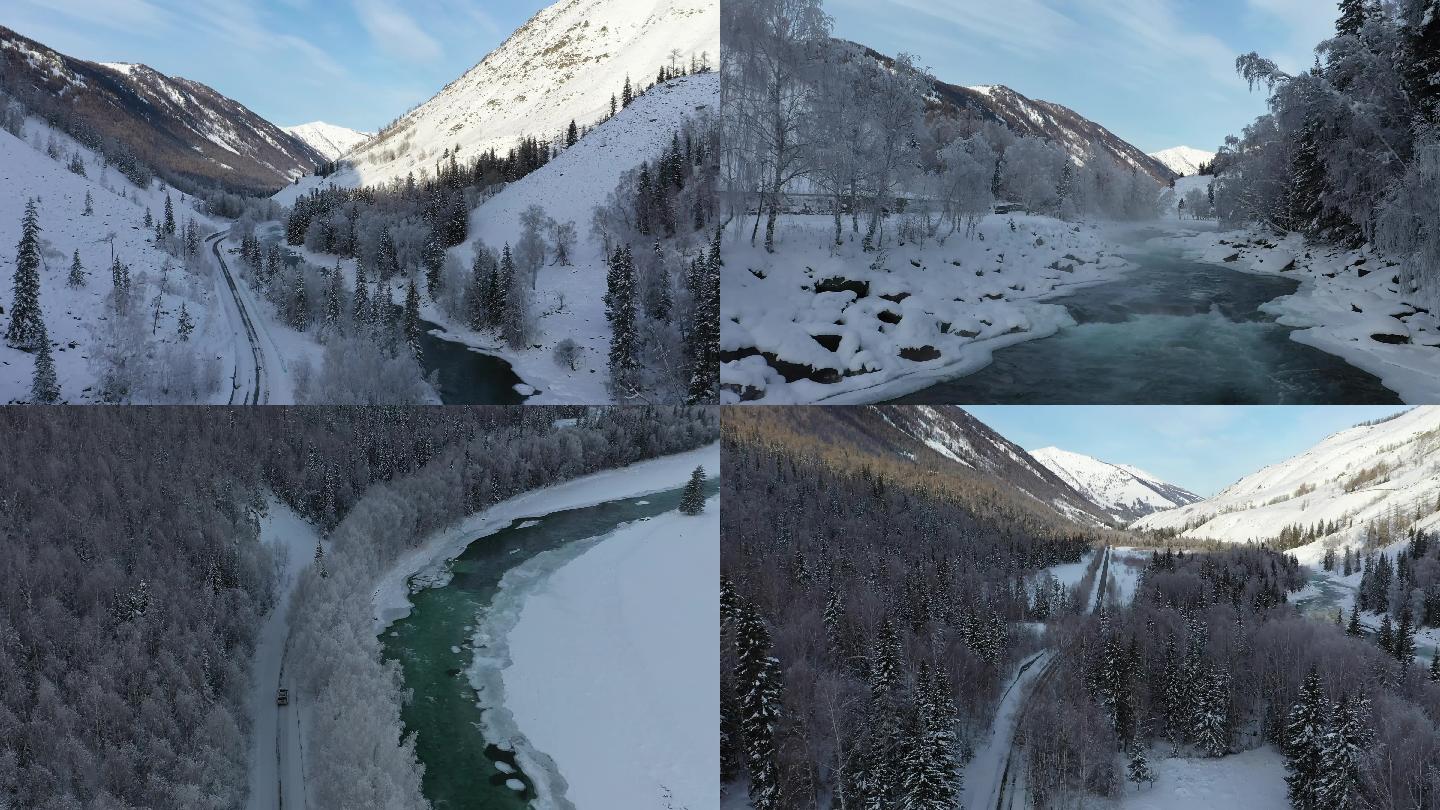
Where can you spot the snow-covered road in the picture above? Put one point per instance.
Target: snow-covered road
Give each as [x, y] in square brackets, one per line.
[248, 382]
[276, 765]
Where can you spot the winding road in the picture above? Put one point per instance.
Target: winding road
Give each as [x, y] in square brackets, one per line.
[248, 392]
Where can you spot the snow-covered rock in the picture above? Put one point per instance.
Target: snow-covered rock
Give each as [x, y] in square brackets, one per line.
[1124, 492]
[1355, 476]
[330, 140]
[1183, 159]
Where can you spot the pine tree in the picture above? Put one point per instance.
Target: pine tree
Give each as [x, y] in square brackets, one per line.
[412, 318]
[89, 206]
[299, 302]
[1352, 17]
[1340, 756]
[361, 310]
[692, 500]
[44, 387]
[1304, 737]
[184, 325]
[1212, 722]
[624, 338]
[625, 94]
[27, 326]
[334, 296]
[77, 273]
[1138, 770]
[169, 217]
[757, 679]
[1386, 637]
[150, 222]
[1352, 628]
[885, 660]
[572, 134]
[1435, 666]
[1404, 645]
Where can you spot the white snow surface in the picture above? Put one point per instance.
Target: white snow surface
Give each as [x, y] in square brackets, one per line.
[563, 64]
[73, 316]
[1183, 159]
[1310, 487]
[330, 140]
[963, 299]
[1118, 489]
[1254, 780]
[613, 671]
[391, 599]
[1346, 298]
[275, 752]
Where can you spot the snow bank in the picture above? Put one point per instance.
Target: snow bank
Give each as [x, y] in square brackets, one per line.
[1349, 304]
[1252, 779]
[813, 322]
[391, 599]
[602, 656]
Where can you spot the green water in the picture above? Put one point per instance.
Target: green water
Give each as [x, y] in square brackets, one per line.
[460, 770]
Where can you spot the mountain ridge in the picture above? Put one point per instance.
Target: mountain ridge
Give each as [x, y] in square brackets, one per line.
[1184, 160]
[330, 140]
[1123, 491]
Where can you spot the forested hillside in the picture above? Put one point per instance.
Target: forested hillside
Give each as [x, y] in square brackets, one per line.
[134, 583]
[869, 610]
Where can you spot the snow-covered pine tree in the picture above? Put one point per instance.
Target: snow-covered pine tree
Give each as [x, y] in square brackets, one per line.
[44, 387]
[169, 217]
[885, 659]
[411, 320]
[89, 205]
[1138, 769]
[184, 325]
[1404, 645]
[1212, 720]
[77, 273]
[692, 500]
[27, 325]
[624, 337]
[1386, 637]
[1304, 741]
[1341, 753]
[757, 679]
[1435, 666]
[335, 296]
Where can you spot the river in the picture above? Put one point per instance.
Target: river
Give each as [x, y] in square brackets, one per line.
[1169, 330]
[432, 645]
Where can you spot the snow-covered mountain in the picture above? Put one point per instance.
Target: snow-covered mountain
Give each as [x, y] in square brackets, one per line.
[1183, 159]
[1124, 492]
[564, 64]
[181, 128]
[1039, 119]
[330, 140]
[1389, 470]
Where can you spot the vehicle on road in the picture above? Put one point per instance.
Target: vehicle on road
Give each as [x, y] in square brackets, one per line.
[282, 697]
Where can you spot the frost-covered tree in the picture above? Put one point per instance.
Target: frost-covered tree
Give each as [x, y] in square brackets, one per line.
[692, 500]
[757, 677]
[44, 387]
[1305, 731]
[184, 324]
[76, 279]
[27, 326]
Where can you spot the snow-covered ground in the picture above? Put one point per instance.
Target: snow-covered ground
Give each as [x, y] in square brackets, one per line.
[276, 766]
[330, 140]
[1126, 564]
[1349, 304]
[1183, 159]
[1403, 467]
[391, 599]
[945, 307]
[1070, 574]
[613, 668]
[78, 319]
[1254, 780]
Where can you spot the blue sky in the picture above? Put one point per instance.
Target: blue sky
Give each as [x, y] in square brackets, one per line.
[356, 63]
[1203, 448]
[1158, 73]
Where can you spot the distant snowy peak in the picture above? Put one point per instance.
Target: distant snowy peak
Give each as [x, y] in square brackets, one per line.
[179, 127]
[328, 139]
[1366, 473]
[564, 64]
[1122, 491]
[1183, 159]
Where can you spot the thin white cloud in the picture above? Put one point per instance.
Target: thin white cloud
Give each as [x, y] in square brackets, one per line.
[395, 32]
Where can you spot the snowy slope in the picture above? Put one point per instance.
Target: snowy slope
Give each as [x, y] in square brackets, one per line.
[1183, 159]
[562, 65]
[329, 140]
[569, 188]
[1394, 465]
[1124, 492]
[76, 318]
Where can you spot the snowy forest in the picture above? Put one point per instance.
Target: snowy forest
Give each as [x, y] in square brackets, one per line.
[857, 671]
[135, 583]
[1350, 151]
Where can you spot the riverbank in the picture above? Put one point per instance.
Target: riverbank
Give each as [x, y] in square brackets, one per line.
[592, 655]
[391, 598]
[1348, 304]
